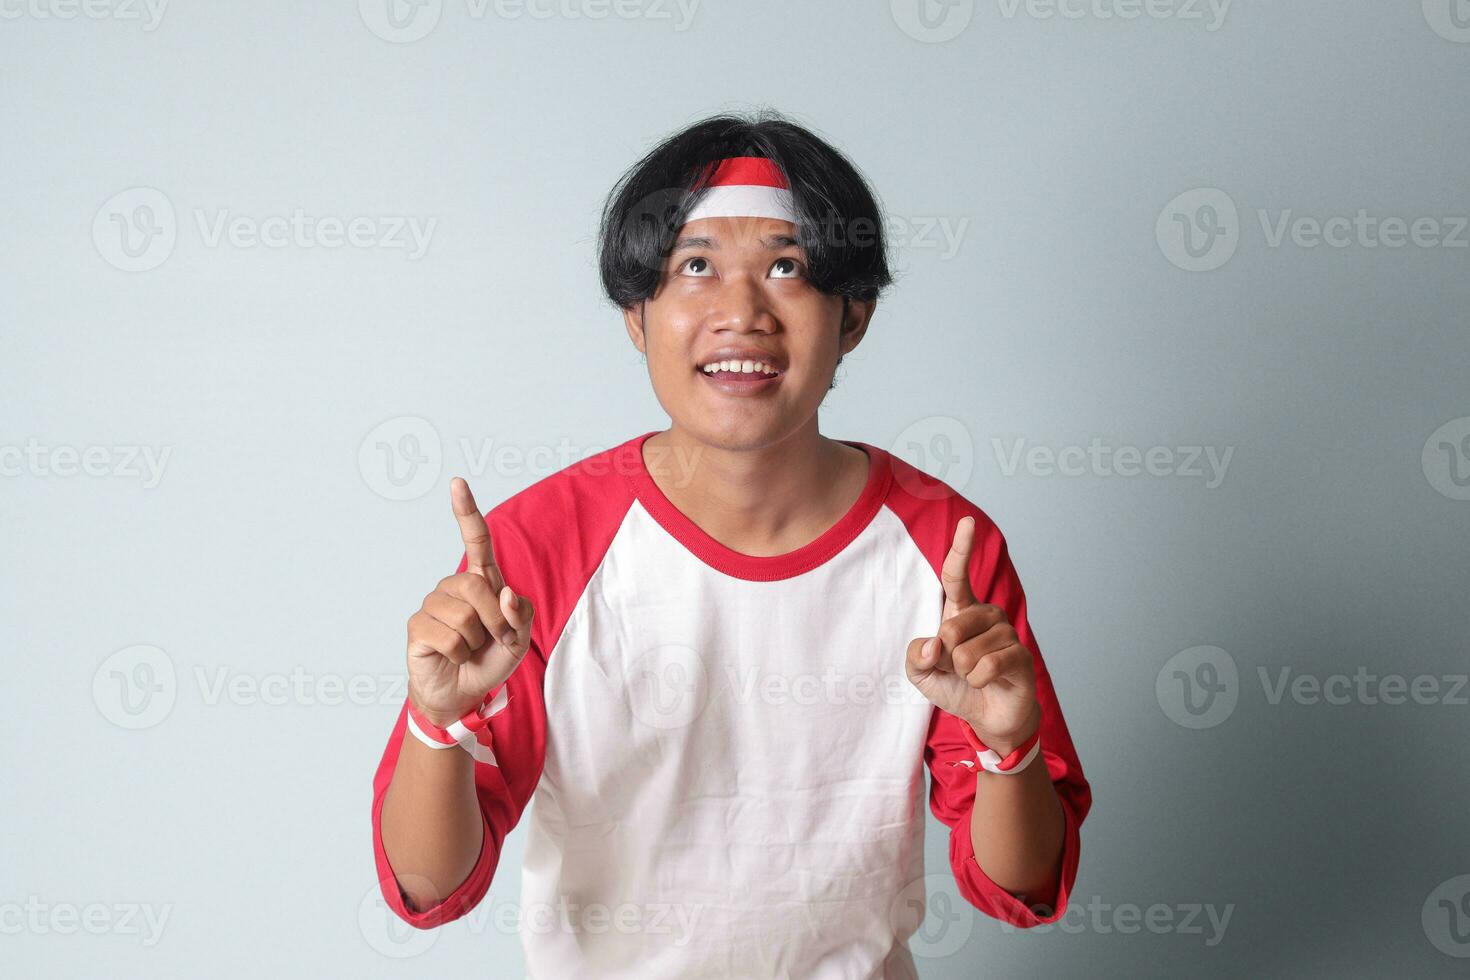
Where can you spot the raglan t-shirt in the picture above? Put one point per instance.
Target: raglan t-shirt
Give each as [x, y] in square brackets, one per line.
[725, 753]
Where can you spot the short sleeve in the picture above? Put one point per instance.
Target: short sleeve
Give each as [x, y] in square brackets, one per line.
[509, 752]
[952, 766]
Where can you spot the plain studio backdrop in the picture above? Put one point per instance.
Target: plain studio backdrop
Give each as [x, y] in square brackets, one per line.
[1182, 305]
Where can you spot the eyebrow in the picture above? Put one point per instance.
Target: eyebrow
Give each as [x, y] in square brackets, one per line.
[771, 242]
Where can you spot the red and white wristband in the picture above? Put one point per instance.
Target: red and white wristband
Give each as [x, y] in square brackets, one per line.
[463, 733]
[991, 761]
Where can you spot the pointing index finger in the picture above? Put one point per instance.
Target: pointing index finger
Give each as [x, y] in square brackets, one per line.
[479, 552]
[955, 573]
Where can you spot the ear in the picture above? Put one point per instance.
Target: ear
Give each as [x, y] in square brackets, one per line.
[633, 321]
[859, 312]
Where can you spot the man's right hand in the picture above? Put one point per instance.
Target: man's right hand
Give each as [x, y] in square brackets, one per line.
[471, 632]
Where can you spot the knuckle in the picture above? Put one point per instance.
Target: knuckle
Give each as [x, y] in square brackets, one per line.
[464, 619]
[475, 587]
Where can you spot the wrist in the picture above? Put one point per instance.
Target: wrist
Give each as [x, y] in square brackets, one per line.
[1006, 753]
[436, 712]
[438, 732]
[434, 716]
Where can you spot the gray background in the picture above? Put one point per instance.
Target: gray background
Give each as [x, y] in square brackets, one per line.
[268, 562]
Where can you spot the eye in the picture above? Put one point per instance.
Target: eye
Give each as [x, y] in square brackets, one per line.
[786, 268]
[697, 266]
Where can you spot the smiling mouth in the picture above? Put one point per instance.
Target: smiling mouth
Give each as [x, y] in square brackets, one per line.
[740, 382]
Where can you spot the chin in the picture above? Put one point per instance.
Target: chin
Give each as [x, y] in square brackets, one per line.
[739, 432]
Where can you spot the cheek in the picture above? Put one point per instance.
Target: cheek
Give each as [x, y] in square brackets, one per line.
[669, 342]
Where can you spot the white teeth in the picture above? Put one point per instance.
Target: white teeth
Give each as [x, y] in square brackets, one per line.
[741, 367]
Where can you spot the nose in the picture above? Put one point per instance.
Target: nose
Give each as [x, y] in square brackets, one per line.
[740, 306]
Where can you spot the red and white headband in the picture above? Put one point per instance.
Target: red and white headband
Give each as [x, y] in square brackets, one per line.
[746, 187]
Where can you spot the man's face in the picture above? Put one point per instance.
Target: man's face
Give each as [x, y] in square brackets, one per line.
[737, 289]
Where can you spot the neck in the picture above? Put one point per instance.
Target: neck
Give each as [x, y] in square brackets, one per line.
[764, 501]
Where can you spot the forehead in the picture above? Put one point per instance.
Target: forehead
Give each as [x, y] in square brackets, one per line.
[728, 233]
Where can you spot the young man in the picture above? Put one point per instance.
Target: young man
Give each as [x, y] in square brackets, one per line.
[721, 655]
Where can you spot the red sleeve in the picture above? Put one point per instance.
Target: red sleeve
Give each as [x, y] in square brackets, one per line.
[548, 541]
[507, 769]
[951, 760]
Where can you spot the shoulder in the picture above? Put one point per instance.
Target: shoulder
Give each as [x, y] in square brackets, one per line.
[562, 524]
[550, 537]
[930, 509]
[574, 498]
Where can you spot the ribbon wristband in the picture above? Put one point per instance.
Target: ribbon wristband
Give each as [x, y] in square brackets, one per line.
[462, 733]
[991, 761]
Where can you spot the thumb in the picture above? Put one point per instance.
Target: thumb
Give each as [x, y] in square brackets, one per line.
[517, 609]
[955, 573]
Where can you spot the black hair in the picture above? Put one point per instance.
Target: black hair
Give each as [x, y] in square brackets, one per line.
[840, 228]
